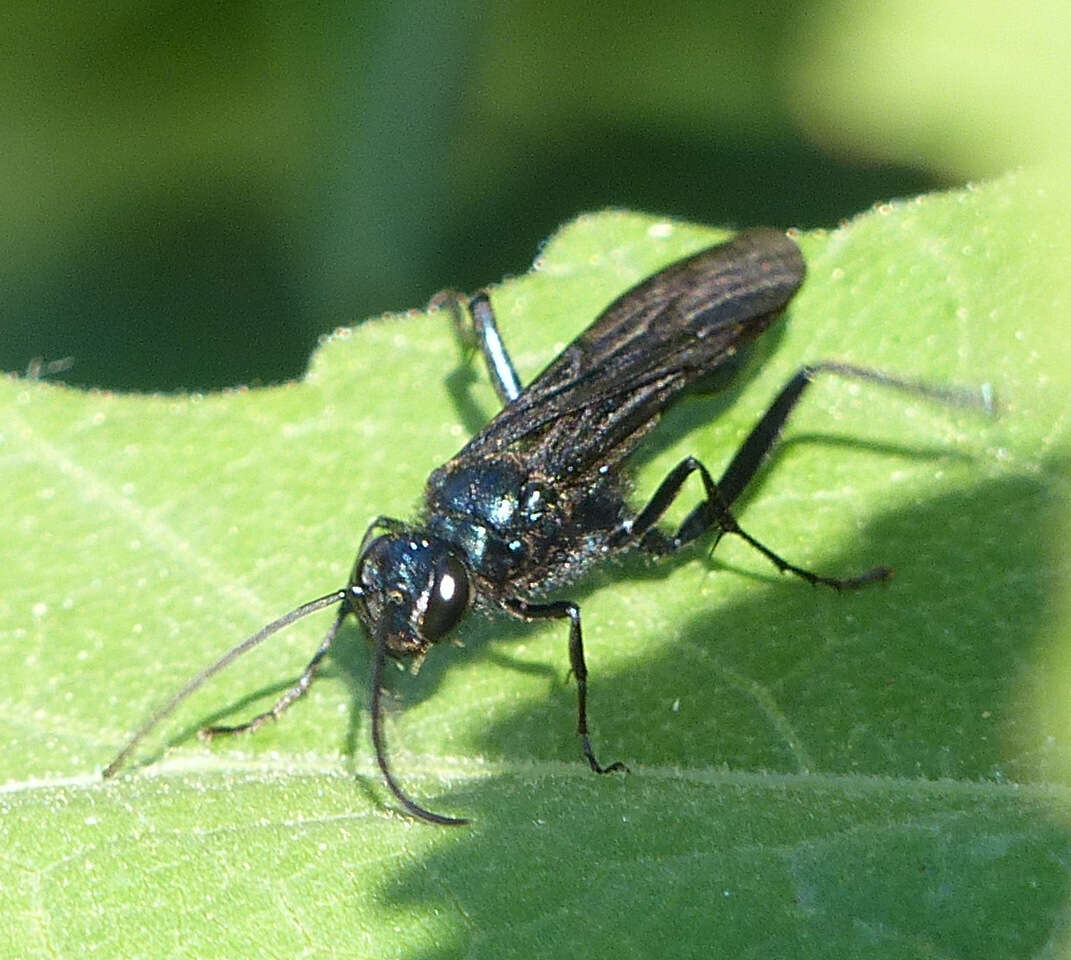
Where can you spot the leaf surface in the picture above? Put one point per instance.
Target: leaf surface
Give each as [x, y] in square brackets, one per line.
[881, 773]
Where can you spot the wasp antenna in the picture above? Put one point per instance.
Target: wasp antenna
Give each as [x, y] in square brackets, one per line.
[378, 660]
[226, 660]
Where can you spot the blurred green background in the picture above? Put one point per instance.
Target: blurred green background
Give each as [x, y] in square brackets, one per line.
[191, 193]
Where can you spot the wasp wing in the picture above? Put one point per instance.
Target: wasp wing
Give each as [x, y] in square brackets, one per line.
[593, 402]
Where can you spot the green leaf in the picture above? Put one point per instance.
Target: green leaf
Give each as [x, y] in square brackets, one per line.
[881, 773]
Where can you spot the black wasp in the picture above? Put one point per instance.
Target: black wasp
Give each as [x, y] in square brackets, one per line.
[538, 495]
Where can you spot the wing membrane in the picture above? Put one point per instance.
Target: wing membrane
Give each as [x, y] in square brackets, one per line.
[616, 377]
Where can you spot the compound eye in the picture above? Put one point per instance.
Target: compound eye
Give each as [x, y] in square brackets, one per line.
[448, 600]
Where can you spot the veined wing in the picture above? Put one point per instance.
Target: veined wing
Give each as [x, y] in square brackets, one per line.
[616, 377]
